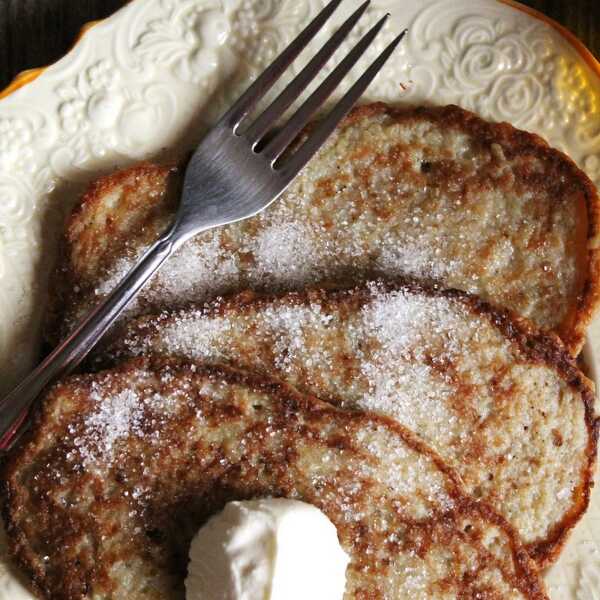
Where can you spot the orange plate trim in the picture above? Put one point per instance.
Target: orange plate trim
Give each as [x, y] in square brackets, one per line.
[22, 79]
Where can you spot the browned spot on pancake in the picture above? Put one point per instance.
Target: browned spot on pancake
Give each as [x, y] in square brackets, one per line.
[557, 438]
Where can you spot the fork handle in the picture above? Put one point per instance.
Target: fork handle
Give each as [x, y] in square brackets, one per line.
[69, 354]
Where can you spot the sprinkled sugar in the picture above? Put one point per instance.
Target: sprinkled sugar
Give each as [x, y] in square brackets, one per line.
[404, 327]
[287, 325]
[414, 259]
[395, 348]
[203, 341]
[120, 415]
[115, 417]
[286, 252]
[191, 271]
[403, 322]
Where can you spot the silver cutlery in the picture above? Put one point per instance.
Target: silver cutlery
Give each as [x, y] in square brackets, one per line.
[237, 171]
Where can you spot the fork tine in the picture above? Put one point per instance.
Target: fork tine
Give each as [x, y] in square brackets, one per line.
[326, 127]
[265, 121]
[301, 117]
[257, 90]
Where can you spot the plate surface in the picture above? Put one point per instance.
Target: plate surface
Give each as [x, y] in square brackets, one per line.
[148, 81]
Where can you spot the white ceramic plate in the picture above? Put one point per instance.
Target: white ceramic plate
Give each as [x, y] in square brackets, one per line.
[146, 83]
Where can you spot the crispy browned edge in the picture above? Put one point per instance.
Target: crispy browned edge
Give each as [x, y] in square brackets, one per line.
[539, 347]
[517, 142]
[527, 578]
[65, 278]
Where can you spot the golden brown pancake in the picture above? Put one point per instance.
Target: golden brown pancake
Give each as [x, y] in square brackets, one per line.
[433, 193]
[501, 402]
[122, 468]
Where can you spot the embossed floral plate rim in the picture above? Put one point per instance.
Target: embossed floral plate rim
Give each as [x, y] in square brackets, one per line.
[578, 54]
[30, 75]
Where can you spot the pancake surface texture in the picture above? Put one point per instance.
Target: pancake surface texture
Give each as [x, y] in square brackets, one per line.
[501, 402]
[122, 467]
[433, 193]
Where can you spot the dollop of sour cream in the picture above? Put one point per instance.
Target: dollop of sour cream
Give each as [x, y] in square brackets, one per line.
[271, 549]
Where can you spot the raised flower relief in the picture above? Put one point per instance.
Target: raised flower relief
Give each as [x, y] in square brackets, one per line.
[16, 205]
[100, 116]
[91, 105]
[480, 53]
[482, 57]
[16, 136]
[479, 50]
[24, 178]
[495, 70]
[394, 79]
[23, 135]
[574, 103]
[191, 39]
[515, 98]
[91, 99]
[577, 100]
[575, 94]
[260, 30]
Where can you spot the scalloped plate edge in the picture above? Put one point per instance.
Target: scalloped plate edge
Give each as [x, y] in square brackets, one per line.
[26, 77]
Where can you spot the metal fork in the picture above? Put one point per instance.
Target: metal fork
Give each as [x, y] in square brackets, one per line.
[235, 173]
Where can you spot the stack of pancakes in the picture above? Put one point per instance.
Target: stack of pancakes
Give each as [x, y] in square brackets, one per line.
[393, 341]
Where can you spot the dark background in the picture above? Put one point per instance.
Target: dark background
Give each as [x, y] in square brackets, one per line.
[34, 33]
